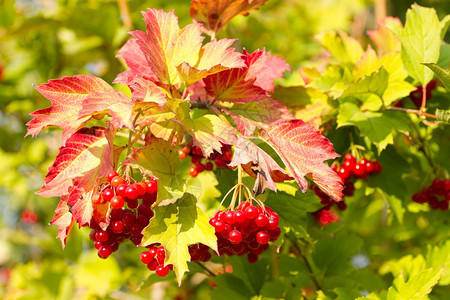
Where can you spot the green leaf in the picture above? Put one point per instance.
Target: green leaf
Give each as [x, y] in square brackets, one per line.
[341, 46]
[395, 205]
[442, 74]
[420, 39]
[377, 126]
[230, 287]
[346, 294]
[438, 256]
[417, 287]
[176, 226]
[293, 210]
[332, 255]
[254, 275]
[160, 159]
[443, 115]
[445, 22]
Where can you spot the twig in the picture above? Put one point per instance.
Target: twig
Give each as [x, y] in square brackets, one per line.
[308, 265]
[125, 14]
[424, 98]
[206, 269]
[413, 111]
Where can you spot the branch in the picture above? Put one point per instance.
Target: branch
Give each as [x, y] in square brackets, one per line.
[206, 269]
[413, 111]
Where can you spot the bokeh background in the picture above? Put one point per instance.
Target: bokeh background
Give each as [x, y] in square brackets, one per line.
[46, 39]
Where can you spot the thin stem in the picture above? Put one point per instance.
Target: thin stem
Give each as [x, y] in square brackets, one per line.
[308, 265]
[240, 182]
[424, 98]
[413, 111]
[125, 14]
[130, 135]
[206, 269]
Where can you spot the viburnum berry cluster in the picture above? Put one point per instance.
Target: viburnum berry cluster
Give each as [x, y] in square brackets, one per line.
[349, 169]
[131, 211]
[247, 229]
[154, 259]
[221, 160]
[437, 194]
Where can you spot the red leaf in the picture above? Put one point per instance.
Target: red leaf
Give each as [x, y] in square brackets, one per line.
[67, 95]
[260, 114]
[86, 153]
[250, 83]
[303, 150]
[63, 219]
[214, 14]
[116, 103]
[166, 46]
[257, 163]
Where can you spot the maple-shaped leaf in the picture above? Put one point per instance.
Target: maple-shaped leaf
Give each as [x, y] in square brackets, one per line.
[67, 95]
[160, 159]
[249, 83]
[113, 102]
[383, 38]
[303, 150]
[63, 219]
[176, 226]
[214, 57]
[86, 153]
[165, 45]
[260, 114]
[214, 14]
[145, 92]
[257, 163]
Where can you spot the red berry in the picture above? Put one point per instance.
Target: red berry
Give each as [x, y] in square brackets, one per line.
[107, 194]
[92, 235]
[261, 220]
[239, 216]
[129, 219]
[219, 226]
[235, 236]
[193, 171]
[251, 212]
[344, 173]
[262, 237]
[110, 175]
[272, 224]
[182, 154]
[105, 251]
[117, 226]
[120, 190]
[274, 234]
[244, 205]
[359, 170]
[146, 257]
[131, 192]
[117, 202]
[252, 258]
[229, 217]
[162, 271]
[153, 264]
[145, 210]
[97, 244]
[152, 186]
[370, 167]
[101, 236]
[209, 166]
[116, 181]
[378, 168]
[161, 252]
[132, 203]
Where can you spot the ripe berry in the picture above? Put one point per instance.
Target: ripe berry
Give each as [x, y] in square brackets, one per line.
[359, 170]
[272, 224]
[131, 192]
[92, 235]
[153, 264]
[193, 171]
[239, 216]
[129, 219]
[261, 220]
[101, 236]
[344, 173]
[116, 181]
[110, 175]
[132, 203]
[219, 226]
[117, 226]
[161, 252]
[105, 251]
[120, 190]
[252, 258]
[162, 271]
[235, 236]
[262, 237]
[152, 186]
[107, 194]
[251, 212]
[209, 166]
[117, 202]
[182, 154]
[146, 257]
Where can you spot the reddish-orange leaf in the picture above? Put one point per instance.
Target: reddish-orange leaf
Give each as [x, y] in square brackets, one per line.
[260, 114]
[113, 102]
[214, 14]
[214, 57]
[250, 83]
[63, 219]
[303, 150]
[86, 153]
[259, 164]
[67, 95]
[165, 45]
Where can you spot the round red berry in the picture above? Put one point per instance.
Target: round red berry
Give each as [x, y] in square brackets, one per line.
[117, 202]
[105, 251]
[117, 226]
[110, 175]
[235, 236]
[193, 171]
[116, 181]
[262, 237]
[146, 257]
[101, 236]
[162, 271]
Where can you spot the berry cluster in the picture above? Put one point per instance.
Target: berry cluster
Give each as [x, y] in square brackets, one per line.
[325, 215]
[125, 223]
[361, 169]
[437, 194]
[154, 259]
[247, 229]
[199, 252]
[28, 216]
[220, 160]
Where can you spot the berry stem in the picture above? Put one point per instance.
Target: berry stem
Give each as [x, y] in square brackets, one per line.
[130, 135]
[240, 182]
[206, 269]
[413, 111]
[424, 98]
